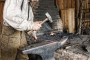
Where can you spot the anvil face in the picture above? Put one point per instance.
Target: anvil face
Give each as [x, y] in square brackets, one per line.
[39, 48]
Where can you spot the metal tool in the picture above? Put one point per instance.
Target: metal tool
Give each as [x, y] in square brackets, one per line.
[46, 51]
[47, 19]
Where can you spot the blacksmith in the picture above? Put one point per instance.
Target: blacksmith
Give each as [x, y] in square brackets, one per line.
[18, 17]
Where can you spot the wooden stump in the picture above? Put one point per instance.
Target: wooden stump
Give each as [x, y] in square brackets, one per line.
[68, 19]
[64, 19]
[71, 20]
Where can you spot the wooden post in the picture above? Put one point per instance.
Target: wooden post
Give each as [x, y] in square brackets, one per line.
[77, 7]
[80, 25]
[71, 20]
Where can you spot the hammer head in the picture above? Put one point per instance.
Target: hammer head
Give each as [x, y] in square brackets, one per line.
[49, 17]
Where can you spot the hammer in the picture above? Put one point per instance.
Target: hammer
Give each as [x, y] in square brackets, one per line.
[48, 18]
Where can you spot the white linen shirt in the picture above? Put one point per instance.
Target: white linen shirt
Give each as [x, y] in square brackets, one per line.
[15, 17]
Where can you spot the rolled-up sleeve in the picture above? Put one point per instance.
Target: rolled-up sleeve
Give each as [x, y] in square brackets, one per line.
[19, 23]
[12, 15]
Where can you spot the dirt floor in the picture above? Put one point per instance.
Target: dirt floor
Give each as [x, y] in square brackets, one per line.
[75, 49]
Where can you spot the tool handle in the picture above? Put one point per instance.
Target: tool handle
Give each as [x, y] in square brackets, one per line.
[30, 32]
[44, 21]
[40, 23]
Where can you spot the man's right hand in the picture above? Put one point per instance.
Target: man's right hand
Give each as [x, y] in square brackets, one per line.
[37, 25]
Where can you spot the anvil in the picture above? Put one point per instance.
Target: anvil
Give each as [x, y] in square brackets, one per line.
[45, 50]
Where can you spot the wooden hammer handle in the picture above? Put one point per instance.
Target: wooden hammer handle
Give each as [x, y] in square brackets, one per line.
[40, 23]
[29, 32]
[44, 21]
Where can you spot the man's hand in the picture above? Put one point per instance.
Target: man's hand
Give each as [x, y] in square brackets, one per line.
[37, 25]
[34, 35]
[34, 38]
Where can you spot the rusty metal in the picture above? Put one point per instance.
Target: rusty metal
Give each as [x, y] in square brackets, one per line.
[46, 49]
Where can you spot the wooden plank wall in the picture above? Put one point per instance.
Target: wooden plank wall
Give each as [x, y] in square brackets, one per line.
[1, 19]
[87, 23]
[63, 6]
[1, 13]
[66, 4]
[1, 10]
[86, 5]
